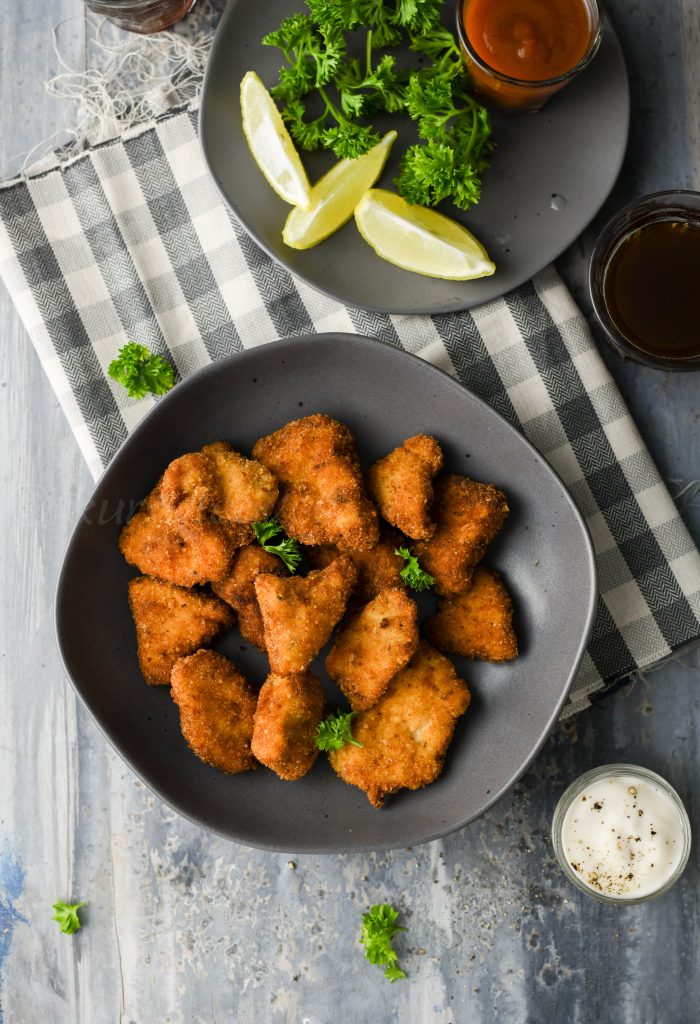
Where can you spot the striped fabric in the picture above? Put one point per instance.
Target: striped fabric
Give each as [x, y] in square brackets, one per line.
[131, 240]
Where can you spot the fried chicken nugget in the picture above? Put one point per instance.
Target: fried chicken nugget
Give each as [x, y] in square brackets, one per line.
[248, 489]
[401, 484]
[289, 710]
[468, 515]
[217, 705]
[405, 735]
[477, 623]
[186, 553]
[323, 499]
[189, 486]
[172, 622]
[299, 614]
[376, 644]
[378, 569]
[238, 588]
[222, 482]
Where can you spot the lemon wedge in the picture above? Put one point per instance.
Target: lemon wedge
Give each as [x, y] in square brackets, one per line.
[415, 238]
[271, 144]
[335, 196]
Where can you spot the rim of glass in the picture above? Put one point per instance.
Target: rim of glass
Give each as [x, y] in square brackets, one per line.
[611, 236]
[132, 5]
[538, 83]
[577, 787]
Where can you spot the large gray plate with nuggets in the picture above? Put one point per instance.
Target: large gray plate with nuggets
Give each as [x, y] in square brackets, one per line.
[384, 395]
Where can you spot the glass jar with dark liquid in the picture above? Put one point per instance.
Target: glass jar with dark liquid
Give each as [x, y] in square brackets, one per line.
[645, 280]
[143, 16]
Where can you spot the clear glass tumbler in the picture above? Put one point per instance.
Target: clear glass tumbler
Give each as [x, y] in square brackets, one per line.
[143, 16]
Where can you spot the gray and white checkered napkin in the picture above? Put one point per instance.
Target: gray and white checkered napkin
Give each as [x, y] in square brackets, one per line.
[131, 240]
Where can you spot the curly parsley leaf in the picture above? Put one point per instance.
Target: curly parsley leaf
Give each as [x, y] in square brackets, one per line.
[328, 97]
[268, 531]
[67, 916]
[412, 574]
[335, 731]
[378, 928]
[141, 371]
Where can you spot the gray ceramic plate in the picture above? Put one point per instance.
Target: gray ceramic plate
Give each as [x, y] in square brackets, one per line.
[548, 177]
[384, 395]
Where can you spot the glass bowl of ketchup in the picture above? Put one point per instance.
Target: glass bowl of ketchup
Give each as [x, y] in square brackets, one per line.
[521, 52]
[643, 278]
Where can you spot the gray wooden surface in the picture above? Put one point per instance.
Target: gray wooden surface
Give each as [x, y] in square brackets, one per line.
[184, 927]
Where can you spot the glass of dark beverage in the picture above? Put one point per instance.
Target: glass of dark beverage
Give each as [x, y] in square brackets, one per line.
[144, 16]
[645, 280]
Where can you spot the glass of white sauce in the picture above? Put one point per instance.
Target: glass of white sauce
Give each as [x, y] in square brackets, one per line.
[621, 834]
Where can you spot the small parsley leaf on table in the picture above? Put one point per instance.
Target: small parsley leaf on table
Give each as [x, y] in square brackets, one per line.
[378, 928]
[335, 731]
[67, 916]
[141, 371]
[268, 534]
[412, 574]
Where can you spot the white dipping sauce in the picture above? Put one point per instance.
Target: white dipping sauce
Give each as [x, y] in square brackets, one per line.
[623, 836]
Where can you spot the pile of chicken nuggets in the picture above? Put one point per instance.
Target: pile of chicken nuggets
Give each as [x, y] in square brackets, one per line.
[203, 572]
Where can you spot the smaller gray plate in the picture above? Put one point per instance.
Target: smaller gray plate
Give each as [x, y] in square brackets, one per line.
[384, 395]
[549, 175]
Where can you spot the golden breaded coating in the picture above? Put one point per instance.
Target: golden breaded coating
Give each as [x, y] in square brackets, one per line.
[289, 710]
[468, 515]
[217, 705]
[401, 484]
[248, 489]
[194, 551]
[310, 440]
[219, 481]
[405, 735]
[477, 623]
[172, 622]
[299, 613]
[238, 588]
[189, 486]
[376, 644]
[378, 569]
[323, 499]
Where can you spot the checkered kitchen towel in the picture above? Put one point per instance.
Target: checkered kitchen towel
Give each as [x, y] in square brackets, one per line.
[131, 240]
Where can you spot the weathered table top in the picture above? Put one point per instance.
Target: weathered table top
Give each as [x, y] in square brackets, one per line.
[184, 927]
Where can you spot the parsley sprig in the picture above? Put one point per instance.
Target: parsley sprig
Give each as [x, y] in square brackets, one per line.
[412, 574]
[267, 531]
[67, 916]
[378, 928]
[328, 96]
[335, 731]
[141, 371]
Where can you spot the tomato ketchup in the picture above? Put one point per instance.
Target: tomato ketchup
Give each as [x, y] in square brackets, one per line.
[511, 43]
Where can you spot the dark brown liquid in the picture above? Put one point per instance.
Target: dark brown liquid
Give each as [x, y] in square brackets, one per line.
[652, 288]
